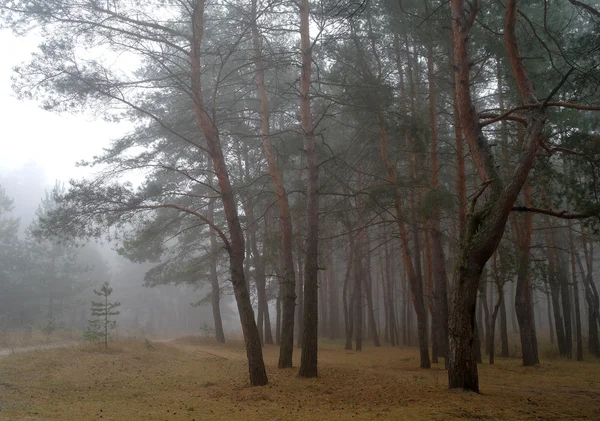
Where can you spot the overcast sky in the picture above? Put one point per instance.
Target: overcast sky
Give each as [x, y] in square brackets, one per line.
[31, 135]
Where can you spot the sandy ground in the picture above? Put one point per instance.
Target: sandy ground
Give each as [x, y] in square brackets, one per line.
[194, 380]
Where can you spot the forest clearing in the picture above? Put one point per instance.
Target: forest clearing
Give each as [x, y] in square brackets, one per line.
[199, 380]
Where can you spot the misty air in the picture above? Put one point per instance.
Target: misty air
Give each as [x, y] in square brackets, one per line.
[299, 210]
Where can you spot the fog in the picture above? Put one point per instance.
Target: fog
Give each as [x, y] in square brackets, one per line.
[197, 196]
[33, 283]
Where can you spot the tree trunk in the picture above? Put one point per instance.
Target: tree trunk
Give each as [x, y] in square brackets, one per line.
[486, 315]
[323, 302]
[524, 290]
[357, 294]
[300, 283]
[484, 226]
[235, 245]
[288, 298]
[591, 295]
[503, 328]
[555, 291]
[438, 259]
[308, 360]
[348, 316]
[334, 316]
[214, 280]
[415, 281]
[370, 308]
[578, 333]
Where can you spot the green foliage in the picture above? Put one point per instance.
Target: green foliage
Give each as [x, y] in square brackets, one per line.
[433, 199]
[98, 329]
[149, 345]
[50, 326]
[207, 331]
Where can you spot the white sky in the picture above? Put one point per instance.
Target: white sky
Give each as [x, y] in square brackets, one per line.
[29, 134]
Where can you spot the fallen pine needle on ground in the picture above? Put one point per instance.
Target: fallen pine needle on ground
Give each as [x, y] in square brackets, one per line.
[191, 379]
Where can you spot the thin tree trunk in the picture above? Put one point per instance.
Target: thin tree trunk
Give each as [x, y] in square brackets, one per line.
[591, 295]
[370, 308]
[308, 360]
[524, 290]
[357, 294]
[555, 291]
[549, 301]
[214, 280]
[334, 311]
[578, 333]
[503, 327]
[589, 257]
[289, 281]
[300, 283]
[348, 315]
[414, 278]
[486, 315]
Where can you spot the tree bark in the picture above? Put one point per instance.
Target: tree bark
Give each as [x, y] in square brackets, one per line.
[334, 316]
[486, 314]
[214, 280]
[524, 290]
[374, 335]
[300, 283]
[579, 338]
[235, 246]
[591, 295]
[357, 293]
[415, 281]
[484, 226]
[289, 282]
[348, 315]
[308, 360]
[439, 259]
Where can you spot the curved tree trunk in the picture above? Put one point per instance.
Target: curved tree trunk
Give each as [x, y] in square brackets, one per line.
[485, 226]
[235, 246]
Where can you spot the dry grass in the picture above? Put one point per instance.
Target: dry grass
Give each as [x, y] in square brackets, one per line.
[197, 380]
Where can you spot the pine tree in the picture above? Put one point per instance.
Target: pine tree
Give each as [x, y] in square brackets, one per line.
[99, 327]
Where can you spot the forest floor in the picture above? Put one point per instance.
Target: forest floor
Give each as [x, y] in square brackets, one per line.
[195, 380]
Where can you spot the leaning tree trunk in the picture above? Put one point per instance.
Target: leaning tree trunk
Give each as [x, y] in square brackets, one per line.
[235, 244]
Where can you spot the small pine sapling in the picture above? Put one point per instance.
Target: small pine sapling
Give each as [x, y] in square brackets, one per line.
[99, 328]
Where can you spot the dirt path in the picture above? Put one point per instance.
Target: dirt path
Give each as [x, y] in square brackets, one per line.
[5, 352]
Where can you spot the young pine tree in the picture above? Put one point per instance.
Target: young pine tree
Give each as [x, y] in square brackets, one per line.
[98, 328]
